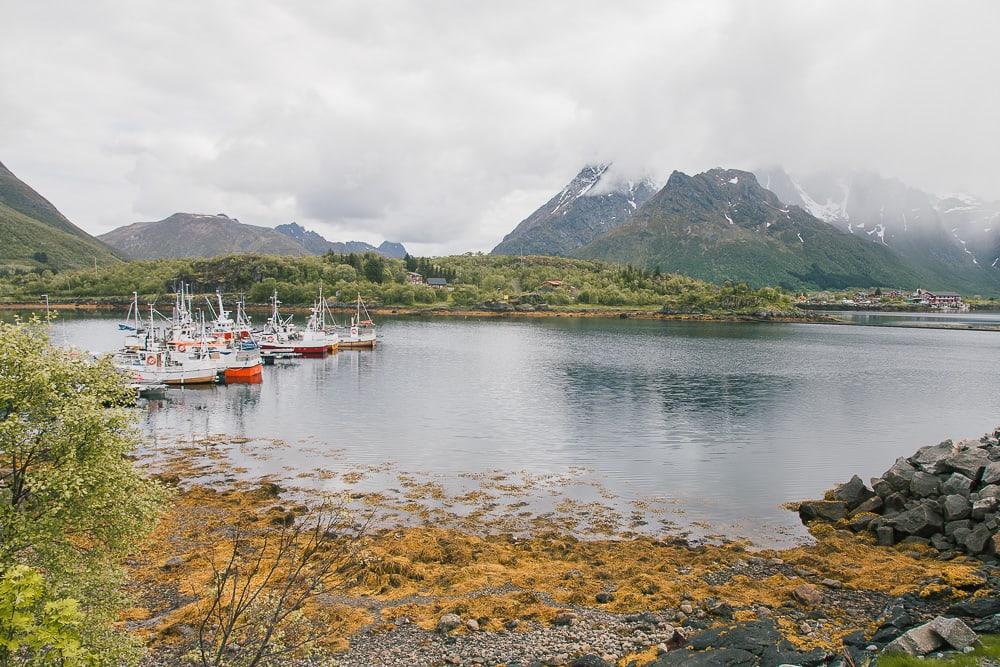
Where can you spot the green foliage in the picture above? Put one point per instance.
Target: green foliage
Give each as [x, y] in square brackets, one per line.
[475, 278]
[71, 502]
[36, 631]
[987, 651]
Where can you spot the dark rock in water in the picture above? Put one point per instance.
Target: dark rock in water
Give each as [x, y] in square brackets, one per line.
[853, 492]
[924, 484]
[729, 657]
[932, 459]
[957, 483]
[975, 542]
[922, 521]
[827, 510]
[970, 462]
[955, 507]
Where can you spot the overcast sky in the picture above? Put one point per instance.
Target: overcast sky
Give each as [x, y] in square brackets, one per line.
[443, 124]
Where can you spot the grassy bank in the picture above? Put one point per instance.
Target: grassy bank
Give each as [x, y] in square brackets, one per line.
[474, 282]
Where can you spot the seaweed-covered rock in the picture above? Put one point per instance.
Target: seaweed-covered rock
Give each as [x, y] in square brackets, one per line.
[853, 493]
[826, 510]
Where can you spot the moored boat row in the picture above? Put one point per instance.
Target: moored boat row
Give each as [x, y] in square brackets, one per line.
[185, 350]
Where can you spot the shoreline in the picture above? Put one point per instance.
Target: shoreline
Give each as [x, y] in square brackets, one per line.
[443, 311]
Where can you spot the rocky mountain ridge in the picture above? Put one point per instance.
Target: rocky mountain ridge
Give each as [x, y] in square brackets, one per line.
[592, 204]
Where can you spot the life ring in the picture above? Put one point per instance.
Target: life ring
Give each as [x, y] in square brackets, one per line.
[182, 347]
[151, 360]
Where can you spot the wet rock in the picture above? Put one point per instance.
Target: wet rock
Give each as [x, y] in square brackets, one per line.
[924, 485]
[955, 507]
[922, 520]
[957, 483]
[825, 510]
[853, 493]
[449, 622]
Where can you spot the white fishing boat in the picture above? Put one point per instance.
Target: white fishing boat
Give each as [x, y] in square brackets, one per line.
[280, 334]
[361, 333]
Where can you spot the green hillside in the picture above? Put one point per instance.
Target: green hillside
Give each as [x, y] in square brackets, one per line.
[722, 225]
[36, 235]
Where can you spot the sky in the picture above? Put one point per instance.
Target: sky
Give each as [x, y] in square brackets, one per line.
[443, 124]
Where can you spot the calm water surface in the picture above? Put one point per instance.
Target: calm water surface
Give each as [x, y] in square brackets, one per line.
[732, 420]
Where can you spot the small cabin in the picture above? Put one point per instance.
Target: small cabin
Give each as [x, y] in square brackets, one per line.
[437, 282]
[414, 278]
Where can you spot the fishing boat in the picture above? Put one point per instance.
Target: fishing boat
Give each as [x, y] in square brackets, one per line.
[280, 334]
[246, 365]
[361, 333]
[317, 329]
[147, 360]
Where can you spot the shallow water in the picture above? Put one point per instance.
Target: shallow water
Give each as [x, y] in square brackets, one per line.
[724, 422]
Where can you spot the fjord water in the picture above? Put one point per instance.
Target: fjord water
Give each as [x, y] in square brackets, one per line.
[730, 420]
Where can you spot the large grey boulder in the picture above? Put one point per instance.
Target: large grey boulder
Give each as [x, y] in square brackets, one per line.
[955, 507]
[924, 485]
[957, 483]
[853, 493]
[952, 526]
[932, 459]
[900, 474]
[954, 632]
[977, 539]
[991, 473]
[922, 521]
[982, 507]
[920, 640]
[989, 491]
[940, 633]
[969, 462]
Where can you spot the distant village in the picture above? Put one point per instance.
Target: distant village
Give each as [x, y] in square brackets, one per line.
[921, 298]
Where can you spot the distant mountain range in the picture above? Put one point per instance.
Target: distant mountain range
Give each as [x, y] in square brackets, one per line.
[34, 234]
[822, 231]
[200, 235]
[591, 205]
[318, 245]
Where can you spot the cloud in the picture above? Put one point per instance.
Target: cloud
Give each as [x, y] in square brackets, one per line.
[442, 124]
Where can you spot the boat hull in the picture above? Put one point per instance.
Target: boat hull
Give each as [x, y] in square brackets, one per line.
[357, 344]
[246, 375]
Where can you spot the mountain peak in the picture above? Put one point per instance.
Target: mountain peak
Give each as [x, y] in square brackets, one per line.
[592, 203]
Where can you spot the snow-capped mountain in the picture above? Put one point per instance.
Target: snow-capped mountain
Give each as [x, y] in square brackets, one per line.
[593, 203]
[954, 238]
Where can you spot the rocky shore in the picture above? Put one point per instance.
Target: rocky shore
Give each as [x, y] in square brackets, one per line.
[433, 595]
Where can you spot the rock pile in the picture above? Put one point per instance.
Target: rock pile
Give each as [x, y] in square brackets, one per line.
[946, 496]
